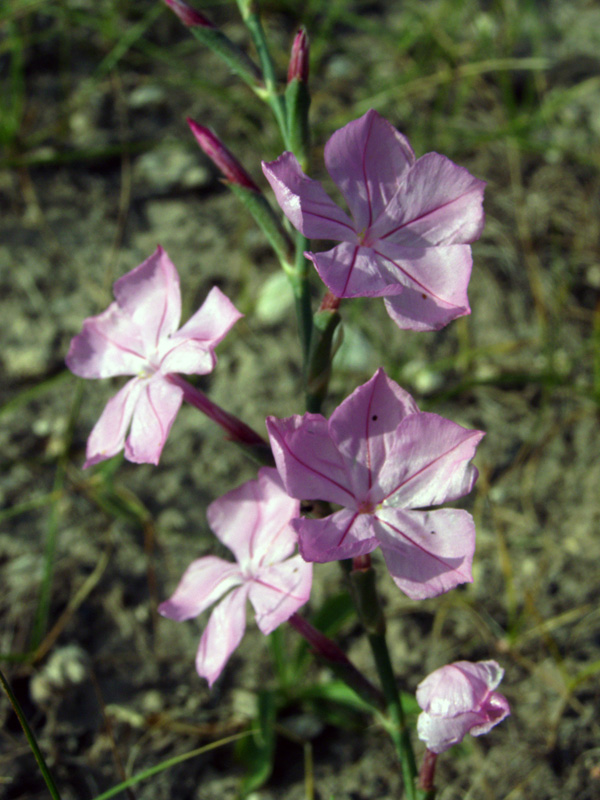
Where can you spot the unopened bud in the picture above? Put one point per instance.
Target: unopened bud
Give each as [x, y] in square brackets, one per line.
[298, 67]
[188, 15]
[225, 161]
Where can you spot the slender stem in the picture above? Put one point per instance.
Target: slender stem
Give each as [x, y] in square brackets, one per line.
[30, 738]
[249, 11]
[337, 660]
[301, 289]
[237, 431]
[363, 589]
[427, 776]
[398, 729]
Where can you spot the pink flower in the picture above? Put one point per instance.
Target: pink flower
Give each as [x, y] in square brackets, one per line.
[383, 460]
[458, 699]
[412, 222]
[254, 522]
[138, 336]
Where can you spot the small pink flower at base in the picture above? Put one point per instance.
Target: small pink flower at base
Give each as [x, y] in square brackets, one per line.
[412, 222]
[458, 699]
[384, 461]
[137, 335]
[254, 522]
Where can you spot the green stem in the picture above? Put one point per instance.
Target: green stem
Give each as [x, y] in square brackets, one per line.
[249, 11]
[364, 593]
[301, 289]
[30, 738]
[397, 728]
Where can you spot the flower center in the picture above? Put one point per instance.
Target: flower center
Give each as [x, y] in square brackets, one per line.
[366, 507]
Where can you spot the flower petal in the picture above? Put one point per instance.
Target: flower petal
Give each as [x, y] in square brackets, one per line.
[437, 203]
[363, 427]
[349, 270]
[441, 272]
[279, 591]
[187, 357]
[414, 310]
[458, 699]
[253, 520]
[204, 582]
[427, 553]
[155, 412]
[305, 203]
[428, 462]
[458, 687]
[150, 296]
[222, 635]
[108, 434]
[109, 344]
[368, 158]
[308, 461]
[441, 733]
[212, 322]
[345, 534]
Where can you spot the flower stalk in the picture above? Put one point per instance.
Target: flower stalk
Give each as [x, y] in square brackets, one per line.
[237, 431]
[268, 92]
[338, 662]
[210, 36]
[364, 594]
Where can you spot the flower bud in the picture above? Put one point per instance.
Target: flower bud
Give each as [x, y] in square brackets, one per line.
[298, 67]
[188, 15]
[458, 699]
[225, 161]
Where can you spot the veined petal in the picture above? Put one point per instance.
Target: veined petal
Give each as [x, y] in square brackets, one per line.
[187, 356]
[428, 462]
[150, 296]
[442, 272]
[458, 687]
[203, 583]
[441, 733]
[368, 158]
[350, 270]
[253, 520]
[222, 635]
[109, 344]
[416, 311]
[363, 428]
[279, 591]
[345, 534]
[212, 322]
[108, 434]
[426, 552]
[437, 203]
[305, 203]
[308, 461]
[155, 412]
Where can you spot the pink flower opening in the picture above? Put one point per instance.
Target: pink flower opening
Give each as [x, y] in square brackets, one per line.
[137, 335]
[412, 221]
[383, 461]
[458, 699]
[254, 522]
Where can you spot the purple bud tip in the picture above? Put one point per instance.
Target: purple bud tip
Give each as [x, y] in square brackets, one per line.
[188, 15]
[225, 161]
[298, 67]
